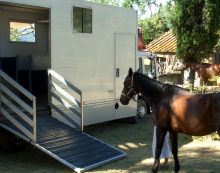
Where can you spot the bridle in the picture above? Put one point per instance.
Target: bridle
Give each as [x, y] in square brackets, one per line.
[131, 88]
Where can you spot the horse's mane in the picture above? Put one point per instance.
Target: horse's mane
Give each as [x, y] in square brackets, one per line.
[152, 81]
[155, 86]
[158, 87]
[174, 89]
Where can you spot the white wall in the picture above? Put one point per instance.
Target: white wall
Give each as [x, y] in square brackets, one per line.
[86, 60]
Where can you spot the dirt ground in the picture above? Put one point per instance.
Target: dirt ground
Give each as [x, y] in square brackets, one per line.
[134, 139]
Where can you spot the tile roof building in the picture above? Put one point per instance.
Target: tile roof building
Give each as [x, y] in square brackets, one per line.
[165, 49]
[165, 43]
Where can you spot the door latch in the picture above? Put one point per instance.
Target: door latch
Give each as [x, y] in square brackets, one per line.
[117, 72]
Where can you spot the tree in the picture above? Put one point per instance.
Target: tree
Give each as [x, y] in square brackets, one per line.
[195, 24]
[109, 2]
[156, 25]
[142, 5]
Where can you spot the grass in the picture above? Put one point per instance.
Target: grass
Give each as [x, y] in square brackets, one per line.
[135, 139]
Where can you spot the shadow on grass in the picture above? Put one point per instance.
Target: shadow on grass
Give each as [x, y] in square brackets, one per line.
[200, 157]
[134, 139]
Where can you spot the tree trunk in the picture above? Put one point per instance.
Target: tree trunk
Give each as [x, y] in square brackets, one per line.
[192, 78]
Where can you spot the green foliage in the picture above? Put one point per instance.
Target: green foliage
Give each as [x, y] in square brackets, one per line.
[109, 2]
[14, 35]
[195, 24]
[214, 78]
[143, 5]
[156, 25]
[198, 90]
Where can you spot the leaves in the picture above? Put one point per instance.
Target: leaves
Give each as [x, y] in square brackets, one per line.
[156, 25]
[195, 24]
[109, 2]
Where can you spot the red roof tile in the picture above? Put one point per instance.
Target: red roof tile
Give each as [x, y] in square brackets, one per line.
[165, 43]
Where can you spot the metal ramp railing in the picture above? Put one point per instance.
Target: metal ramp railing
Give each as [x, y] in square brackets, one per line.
[18, 106]
[73, 148]
[63, 93]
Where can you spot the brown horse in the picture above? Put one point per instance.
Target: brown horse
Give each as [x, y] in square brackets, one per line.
[205, 71]
[174, 110]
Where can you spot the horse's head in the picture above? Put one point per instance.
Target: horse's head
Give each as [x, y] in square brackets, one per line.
[128, 91]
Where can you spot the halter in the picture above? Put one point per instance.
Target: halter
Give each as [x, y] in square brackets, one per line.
[131, 88]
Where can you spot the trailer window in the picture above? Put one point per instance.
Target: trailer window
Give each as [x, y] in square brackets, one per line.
[82, 20]
[22, 32]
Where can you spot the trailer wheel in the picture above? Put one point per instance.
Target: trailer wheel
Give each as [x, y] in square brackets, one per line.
[142, 111]
[10, 142]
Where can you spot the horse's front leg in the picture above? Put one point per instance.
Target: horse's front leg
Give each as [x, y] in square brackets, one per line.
[160, 135]
[174, 144]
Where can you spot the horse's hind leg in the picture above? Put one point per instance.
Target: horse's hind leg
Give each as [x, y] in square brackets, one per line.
[160, 135]
[174, 144]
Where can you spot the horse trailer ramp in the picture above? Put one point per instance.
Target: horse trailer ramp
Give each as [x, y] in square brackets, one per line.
[75, 149]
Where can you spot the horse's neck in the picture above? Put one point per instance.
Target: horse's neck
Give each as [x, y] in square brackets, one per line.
[150, 90]
[195, 67]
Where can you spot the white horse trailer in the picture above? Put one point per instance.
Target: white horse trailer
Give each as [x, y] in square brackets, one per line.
[64, 60]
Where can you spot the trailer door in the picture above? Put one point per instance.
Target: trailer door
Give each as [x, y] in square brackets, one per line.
[125, 58]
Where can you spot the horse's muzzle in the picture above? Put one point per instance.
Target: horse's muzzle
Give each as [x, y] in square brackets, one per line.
[124, 100]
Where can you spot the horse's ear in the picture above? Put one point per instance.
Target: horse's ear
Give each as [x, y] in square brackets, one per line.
[130, 72]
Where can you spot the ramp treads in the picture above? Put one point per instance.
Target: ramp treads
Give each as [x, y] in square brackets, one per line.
[75, 149]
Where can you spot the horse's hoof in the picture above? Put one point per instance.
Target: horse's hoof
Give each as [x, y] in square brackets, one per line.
[154, 170]
[177, 169]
